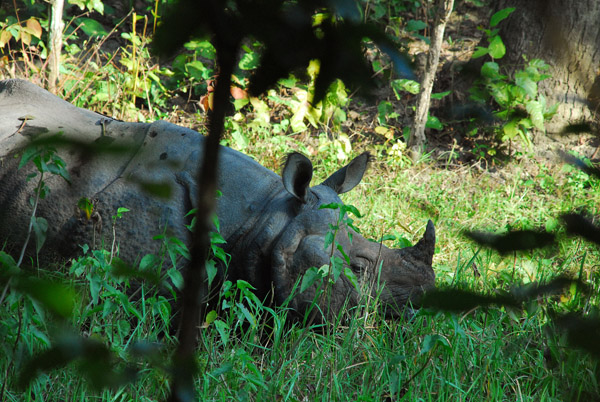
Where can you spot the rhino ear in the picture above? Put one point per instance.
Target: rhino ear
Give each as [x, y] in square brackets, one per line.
[350, 175]
[296, 175]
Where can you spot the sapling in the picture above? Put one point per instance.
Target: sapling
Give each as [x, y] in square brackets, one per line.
[45, 160]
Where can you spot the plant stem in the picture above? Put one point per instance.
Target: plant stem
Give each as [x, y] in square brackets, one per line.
[35, 204]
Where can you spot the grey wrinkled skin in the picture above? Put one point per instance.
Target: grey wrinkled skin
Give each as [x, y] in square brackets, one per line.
[273, 225]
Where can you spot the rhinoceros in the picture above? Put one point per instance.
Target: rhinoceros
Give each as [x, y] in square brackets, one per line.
[273, 226]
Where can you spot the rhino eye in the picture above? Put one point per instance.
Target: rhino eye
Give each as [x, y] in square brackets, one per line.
[359, 264]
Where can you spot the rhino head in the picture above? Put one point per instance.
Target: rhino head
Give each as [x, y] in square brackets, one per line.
[397, 276]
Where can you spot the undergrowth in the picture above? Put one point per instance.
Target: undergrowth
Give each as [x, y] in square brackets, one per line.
[250, 351]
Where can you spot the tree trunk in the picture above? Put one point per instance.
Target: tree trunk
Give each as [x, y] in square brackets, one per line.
[55, 44]
[566, 35]
[417, 135]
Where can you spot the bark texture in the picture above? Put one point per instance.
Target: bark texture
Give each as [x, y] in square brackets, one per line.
[565, 34]
[55, 44]
[417, 138]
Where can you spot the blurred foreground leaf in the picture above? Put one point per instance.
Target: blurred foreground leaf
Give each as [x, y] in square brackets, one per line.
[95, 362]
[579, 225]
[513, 241]
[121, 269]
[465, 300]
[580, 164]
[582, 332]
[291, 37]
[578, 128]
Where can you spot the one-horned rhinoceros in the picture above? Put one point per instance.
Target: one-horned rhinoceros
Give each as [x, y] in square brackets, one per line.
[273, 225]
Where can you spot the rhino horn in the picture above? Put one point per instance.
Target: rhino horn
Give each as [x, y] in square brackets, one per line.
[425, 248]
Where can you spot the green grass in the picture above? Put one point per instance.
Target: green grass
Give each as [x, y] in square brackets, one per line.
[484, 354]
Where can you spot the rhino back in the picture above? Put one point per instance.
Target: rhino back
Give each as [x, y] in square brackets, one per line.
[149, 154]
[45, 114]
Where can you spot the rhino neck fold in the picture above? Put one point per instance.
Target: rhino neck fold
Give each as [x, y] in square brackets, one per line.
[252, 242]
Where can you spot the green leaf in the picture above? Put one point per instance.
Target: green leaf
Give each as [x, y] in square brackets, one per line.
[500, 93]
[490, 70]
[333, 205]
[40, 228]
[211, 317]
[7, 263]
[539, 64]
[534, 73]
[388, 237]
[338, 267]
[91, 27]
[241, 140]
[310, 277]
[500, 15]
[176, 277]
[58, 167]
[95, 286]
[85, 205]
[526, 124]
[240, 103]
[121, 211]
[329, 237]
[223, 330]
[431, 341]
[28, 154]
[247, 314]
[415, 25]
[149, 262]
[351, 277]
[551, 111]
[225, 368]
[202, 48]
[480, 52]
[197, 70]
[497, 49]
[243, 285]
[351, 209]
[407, 85]
[440, 95]
[434, 122]
[524, 81]
[249, 61]
[535, 110]
[511, 129]
[211, 271]
[176, 248]
[341, 250]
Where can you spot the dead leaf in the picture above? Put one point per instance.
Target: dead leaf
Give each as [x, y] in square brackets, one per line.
[238, 93]
[206, 102]
[34, 27]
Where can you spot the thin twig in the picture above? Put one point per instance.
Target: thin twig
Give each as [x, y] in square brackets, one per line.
[35, 205]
